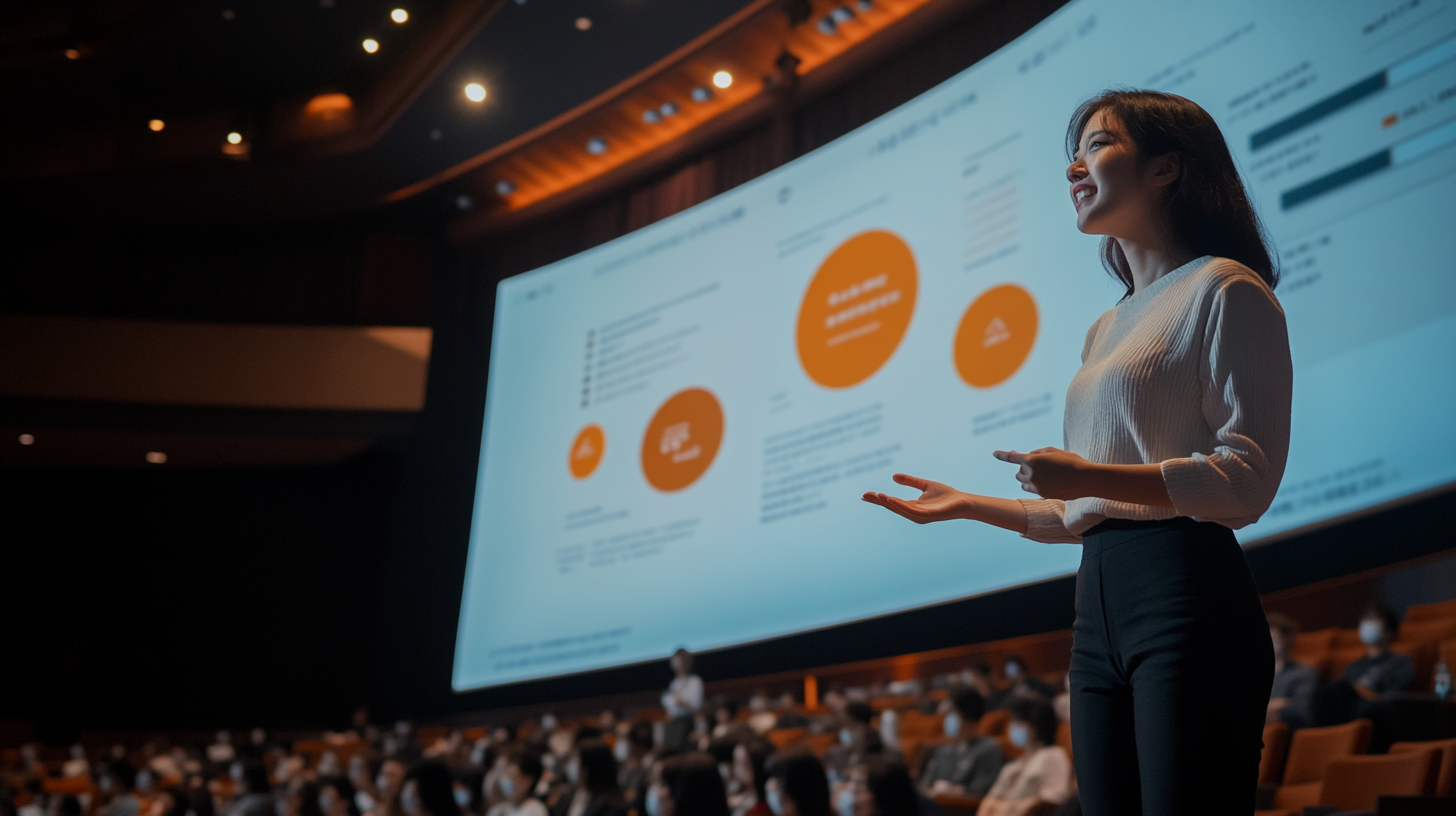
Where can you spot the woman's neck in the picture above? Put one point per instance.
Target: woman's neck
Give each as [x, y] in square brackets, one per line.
[1150, 258]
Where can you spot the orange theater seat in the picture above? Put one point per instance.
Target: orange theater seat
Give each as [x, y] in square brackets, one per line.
[783, 737]
[1310, 752]
[1271, 759]
[1421, 612]
[1428, 631]
[1064, 737]
[1347, 638]
[1445, 784]
[1354, 783]
[819, 743]
[994, 723]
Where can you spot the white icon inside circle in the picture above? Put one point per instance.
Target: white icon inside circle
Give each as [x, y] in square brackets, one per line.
[585, 450]
[674, 443]
[996, 333]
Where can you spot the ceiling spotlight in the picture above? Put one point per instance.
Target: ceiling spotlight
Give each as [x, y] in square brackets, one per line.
[596, 145]
[464, 202]
[667, 109]
[475, 92]
[156, 125]
[157, 457]
[651, 116]
[73, 53]
[505, 187]
[235, 138]
[27, 439]
[583, 23]
[371, 45]
[722, 79]
[399, 16]
[701, 94]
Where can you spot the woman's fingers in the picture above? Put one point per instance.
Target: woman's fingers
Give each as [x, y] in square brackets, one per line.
[911, 481]
[1010, 456]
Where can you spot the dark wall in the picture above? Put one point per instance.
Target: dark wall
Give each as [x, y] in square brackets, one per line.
[177, 599]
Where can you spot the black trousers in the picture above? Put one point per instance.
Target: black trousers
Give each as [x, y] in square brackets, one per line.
[1171, 671]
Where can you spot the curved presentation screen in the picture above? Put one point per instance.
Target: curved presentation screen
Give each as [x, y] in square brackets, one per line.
[679, 424]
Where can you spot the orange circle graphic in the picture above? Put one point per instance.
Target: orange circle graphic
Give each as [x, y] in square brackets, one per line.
[586, 451]
[857, 309]
[682, 439]
[996, 335]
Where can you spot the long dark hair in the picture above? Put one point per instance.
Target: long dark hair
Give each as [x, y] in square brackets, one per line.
[1207, 209]
[802, 778]
[696, 788]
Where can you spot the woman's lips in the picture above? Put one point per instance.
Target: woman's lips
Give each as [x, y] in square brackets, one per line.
[1079, 202]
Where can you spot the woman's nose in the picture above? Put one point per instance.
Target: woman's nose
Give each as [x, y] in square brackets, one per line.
[1076, 171]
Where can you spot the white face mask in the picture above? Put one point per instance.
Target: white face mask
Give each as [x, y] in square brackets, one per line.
[573, 771]
[1013, 671]
[1370, 631]
[508, 788]
[462, 797]
[621, 749]
[952, 724]
[846, 737]
[844, 802]
[654, 802]
[1019, 734]
[775, 802]
[409, 801]
[324, 804]
[363, 801]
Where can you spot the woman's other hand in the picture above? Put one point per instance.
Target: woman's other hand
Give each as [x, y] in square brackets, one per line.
[1052, 473]
[937, 501]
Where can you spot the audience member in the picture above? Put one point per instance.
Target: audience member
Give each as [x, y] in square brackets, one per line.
[1294, 683]
[255, 792]
[797, 785]
[591, 771]
[337, 797]
[687, 785]
[883, 787]
[516, 786]
[683, 698]
[1042, 776]
[967, 765]
[750, 762]
[429, 790]
[1019, 683]
[115, 786]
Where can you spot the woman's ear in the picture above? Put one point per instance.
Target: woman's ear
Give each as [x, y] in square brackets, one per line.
[1165, 169]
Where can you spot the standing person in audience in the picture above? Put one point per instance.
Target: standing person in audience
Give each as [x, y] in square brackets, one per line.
[1176, 429]
[683, 698]
[687, 785]
[516, 785]
[797, 785]
[1294, 683]
[591, 772]
[966, 766]
[429, 790]
[1042, 777]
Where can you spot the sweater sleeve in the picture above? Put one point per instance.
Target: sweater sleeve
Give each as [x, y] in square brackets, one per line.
[1045, 522]
[1248, 387]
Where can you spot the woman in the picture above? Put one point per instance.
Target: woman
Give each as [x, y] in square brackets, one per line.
[1041, 779]
[750, 760]
[687, 785]
[511, 791]
[429, 790]
[1177, 431]
[592, 773]
[797, 785]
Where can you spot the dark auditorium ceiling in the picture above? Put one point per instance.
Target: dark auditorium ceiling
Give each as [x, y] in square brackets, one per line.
[323, 126]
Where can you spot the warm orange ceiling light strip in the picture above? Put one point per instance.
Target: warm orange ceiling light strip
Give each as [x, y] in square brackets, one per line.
[553, 158]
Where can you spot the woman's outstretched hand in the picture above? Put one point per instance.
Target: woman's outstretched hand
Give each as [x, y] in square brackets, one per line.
[937, 502]
[1051, 473]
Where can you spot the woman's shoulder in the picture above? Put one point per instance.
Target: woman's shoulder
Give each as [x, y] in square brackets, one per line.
[1219, 273]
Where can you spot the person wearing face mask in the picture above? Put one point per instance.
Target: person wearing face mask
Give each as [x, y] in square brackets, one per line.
[387, 785]
[429, 790]
[1294, 683]
[683, 699]
[591, 773]
[797, 785]
[687, 785]
[750, 761]
[633, 753]
[882, 787]
[854, 728]
[1019, 683]
[337, 797]
[255, 792]
[1365, 688]
[117, 779]
[1042, 777]
[1176, 430]
[516, 785]
[966, 766]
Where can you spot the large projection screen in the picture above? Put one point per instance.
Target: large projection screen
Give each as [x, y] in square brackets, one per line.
[679, 423]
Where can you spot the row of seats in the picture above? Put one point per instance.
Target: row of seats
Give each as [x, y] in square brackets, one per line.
[1329, 767]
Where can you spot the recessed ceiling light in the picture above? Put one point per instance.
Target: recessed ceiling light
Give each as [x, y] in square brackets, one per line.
[722, 79]
[156, 125]
[156, 457]
[475, 92]
[235, 138]
[596, 145]
[583, 23]
[505, 187]
[27, 439]
[399, 16]
[73, 53]
[701, 94]
[228, 14]
[371, 45]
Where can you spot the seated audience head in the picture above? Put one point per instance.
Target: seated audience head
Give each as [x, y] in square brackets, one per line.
[336, 797]
[520, 776]
[687, 785]
[1378, 625]
[797, 785]
[429, 790]
[1033, 724]
[891, 791]
[967, 706]
[594, 768]
[251, 776]
[390, 780]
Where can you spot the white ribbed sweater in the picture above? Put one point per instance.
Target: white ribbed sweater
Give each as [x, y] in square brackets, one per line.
[1193, 373]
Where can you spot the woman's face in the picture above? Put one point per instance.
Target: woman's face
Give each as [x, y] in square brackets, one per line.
[742, 767]
[1113, 191]
[773, 790]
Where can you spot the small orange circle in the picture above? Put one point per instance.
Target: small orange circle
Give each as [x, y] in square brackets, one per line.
[996, 335]
[586, 451]
[682, 439]
[857, 309]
